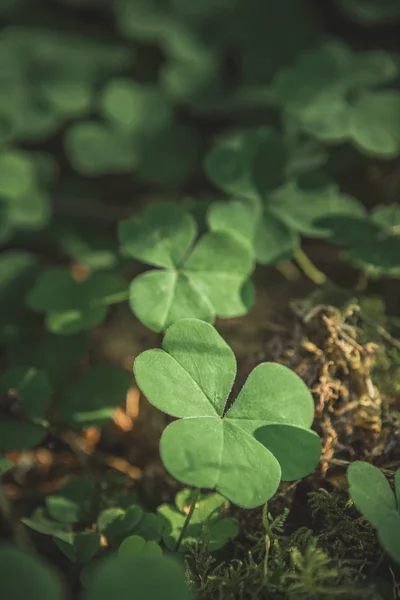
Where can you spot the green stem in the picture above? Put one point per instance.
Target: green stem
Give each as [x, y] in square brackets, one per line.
[309, 268]
[195, 499]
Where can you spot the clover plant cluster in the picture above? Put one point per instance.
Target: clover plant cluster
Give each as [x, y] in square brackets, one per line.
[152, 156]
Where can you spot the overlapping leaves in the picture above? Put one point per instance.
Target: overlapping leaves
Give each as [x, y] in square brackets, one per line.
[26, 396]
[71, 306]
[204, 280]
[242, 452]
[330, 94]
[208, 510]
[277, 199]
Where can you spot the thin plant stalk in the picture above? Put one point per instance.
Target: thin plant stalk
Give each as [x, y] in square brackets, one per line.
[195, 499]
[309, 268]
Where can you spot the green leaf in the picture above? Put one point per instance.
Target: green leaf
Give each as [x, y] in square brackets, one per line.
[193, 283]
[375, 125]
[149, 527]
[29, 394]
[17, 174]
[207, 448]
[160, 236]
[207, 510]
[136, 108]
[81, 548]
[301, 209]
[75, 502]
[371, 492]
[325, 96]
[18, 271]
[28, 389]
[237, 216]
[247, 164]
[95, 148]
[92, 399]
[41, 522]
[389, 535]
[5, 465]
[152, 578]
[135, 546]
[71, 306]
[397, 488]
[274, 241]
[114, 522]
[24, 576]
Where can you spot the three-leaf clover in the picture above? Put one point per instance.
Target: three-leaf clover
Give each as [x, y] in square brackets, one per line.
[204, 280]
[329, 94]
[71, 306]
[208, 509]
[242, 452]
[275, 200]
[375, 499]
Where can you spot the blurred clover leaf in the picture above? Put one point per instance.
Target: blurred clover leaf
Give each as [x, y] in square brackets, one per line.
[329, 94]
[71, 306]
[204, 280]
[92, 399]
[372, 242]
[276, 199]
[116, 521]
[56, 355]
[5, 465]
[74, 502]
[150, 577]
[208, 509]
[25, 397]
[24, 203]
[137, 132]
[370, 12]
[25, 576]
[50, 79]
[18, 271]
[78, 546]
[242, 452]
[135, 546]
[376, 501]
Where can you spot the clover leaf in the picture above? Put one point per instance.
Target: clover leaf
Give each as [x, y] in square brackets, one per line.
[134, 546]
[208, 509]
[372, 242]
[74, 502]
[375, 499]
[241, 452]
[326, 95]
[150, 577]
[27, 395]
[25, 576]
[116, 521]
[277, 199]
[204, 280]
[78, 546]
[71, 306]
[92, 399]
[24, 202]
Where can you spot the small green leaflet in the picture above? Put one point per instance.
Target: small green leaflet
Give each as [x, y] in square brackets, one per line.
[243, 453]
[329, 94]
[204, 280]
[375, 499]
[71, 306]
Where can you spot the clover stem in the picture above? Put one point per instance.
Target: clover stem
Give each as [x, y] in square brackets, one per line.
[309, 268]
[195, 499]
[289, 270]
